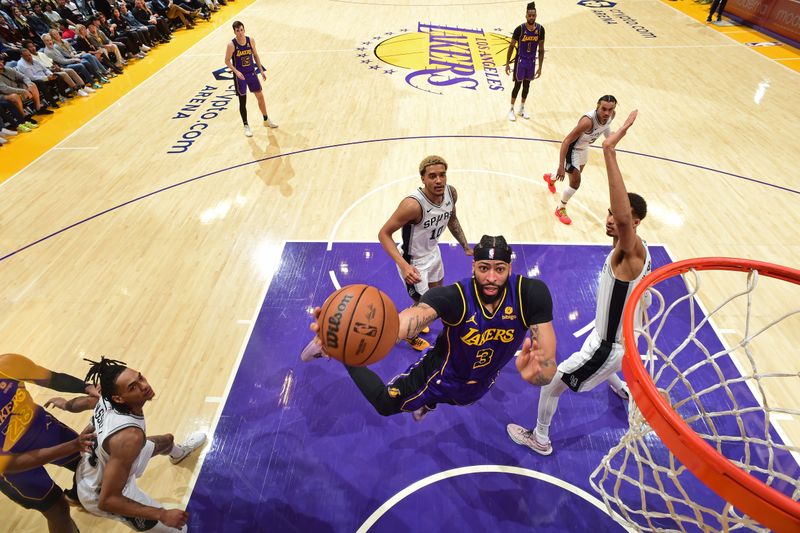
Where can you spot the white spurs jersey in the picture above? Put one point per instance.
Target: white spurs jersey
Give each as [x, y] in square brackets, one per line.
[597, 130]
[107, 421]
[611, 297]
[421, 239]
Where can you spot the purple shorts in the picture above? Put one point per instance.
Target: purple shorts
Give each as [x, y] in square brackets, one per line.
[524, 70]
[250, 81]
[34, 489]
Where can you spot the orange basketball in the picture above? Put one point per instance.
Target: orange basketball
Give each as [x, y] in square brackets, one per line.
[358, 325]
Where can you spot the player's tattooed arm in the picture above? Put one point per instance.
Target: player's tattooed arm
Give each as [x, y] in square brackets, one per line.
[537, 360]
[455, 226]
[414, 319]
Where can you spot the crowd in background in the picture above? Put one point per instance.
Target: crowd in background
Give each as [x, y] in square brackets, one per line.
[55, 50]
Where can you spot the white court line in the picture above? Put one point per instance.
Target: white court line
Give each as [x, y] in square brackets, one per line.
[480, 469]
[538, 181]
[335, 281]
[224, 399]
[634, 47]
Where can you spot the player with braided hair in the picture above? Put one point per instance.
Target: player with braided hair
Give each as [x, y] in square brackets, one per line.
[106, 478]
[485, 317]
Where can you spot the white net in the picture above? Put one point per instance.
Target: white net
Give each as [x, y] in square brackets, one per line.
[733, 376]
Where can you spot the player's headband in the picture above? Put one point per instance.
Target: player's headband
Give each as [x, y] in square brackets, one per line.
[499, 252]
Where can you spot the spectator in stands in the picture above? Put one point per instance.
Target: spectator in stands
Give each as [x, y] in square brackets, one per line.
[52, 15]
[140, 32]
[85, 44]
[12, 109]
[21, 22]
[39, 23]
[117, 35]
[86, 71]
[45, 80]
[70, 13]
[68, 75]
[89, 60]
[143, 14]
[100, 39]
[12, 82]
[9, 49]
[166, 8]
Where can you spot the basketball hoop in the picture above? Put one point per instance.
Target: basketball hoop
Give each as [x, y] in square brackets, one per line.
[711, 406]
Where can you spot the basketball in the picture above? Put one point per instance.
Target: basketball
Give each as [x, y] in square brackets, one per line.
[358, 325]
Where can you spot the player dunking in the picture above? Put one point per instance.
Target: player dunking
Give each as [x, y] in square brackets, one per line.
[600, 357]
[486, 319]
[423, 216]
[575, 151]
[528, 38]
[242, 58]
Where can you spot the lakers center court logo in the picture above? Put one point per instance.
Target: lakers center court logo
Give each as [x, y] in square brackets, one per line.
[439, 58]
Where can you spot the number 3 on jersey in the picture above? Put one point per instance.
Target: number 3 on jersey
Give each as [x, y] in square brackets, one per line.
[483, 358]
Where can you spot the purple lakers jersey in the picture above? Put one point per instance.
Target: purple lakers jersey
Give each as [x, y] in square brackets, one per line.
[243, 59]
[18, 412]
[529, 42]
[482, 343]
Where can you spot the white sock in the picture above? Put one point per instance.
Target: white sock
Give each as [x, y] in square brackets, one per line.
[176, 452]
[548, 404]
[566, 195]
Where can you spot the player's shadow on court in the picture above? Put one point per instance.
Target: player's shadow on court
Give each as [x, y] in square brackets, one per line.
[274, 171]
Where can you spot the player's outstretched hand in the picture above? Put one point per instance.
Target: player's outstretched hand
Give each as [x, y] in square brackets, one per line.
[617, 136]
[58, 401]
[529, 362]
[85, 440]
[560, 173]
[314, 346]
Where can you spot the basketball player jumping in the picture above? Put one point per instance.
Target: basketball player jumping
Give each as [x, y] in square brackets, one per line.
[423, 215]
[106, 477]
[529, 39]
[575, 151]
[242, 58]
[600, 358]
[31, 437]
[486, 318]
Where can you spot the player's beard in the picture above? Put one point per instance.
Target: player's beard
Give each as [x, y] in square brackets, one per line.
[493, 298]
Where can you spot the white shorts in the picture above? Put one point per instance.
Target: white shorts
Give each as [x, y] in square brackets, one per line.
[593, 364]
[90, 496]
[430, 269]
[576, 159]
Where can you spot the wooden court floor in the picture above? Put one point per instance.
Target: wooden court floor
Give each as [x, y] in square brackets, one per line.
[151, 233]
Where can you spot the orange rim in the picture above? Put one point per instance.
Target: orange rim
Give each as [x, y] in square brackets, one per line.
[747, 493]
